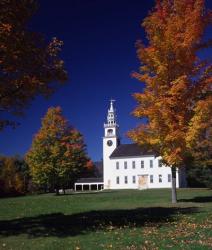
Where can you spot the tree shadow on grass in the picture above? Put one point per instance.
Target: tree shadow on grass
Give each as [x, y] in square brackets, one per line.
[60, 225]
[199, 199]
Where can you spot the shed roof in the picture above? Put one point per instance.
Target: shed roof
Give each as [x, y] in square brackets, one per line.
[89, 180]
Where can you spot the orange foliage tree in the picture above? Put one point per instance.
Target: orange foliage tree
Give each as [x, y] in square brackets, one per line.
[177, 82]
[199, 136]
[58, 153]
[28, 65]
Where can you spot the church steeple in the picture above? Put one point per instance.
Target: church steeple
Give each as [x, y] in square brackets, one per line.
[110, 142]
[111, 127]
[111, 116]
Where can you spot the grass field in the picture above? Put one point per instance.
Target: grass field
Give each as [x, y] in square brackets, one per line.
[108, 220]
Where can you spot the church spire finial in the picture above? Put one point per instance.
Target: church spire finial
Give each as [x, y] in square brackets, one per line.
[111, 105]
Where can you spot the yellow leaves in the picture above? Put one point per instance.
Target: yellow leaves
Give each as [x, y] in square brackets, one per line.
[12, 179]
[57, 151]
[179, 87]
[174, 158]
[154, 141]
[199, 134]
[161, 69]
[202, 115]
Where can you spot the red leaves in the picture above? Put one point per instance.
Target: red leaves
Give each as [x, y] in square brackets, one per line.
[89, 165]
[28, 64]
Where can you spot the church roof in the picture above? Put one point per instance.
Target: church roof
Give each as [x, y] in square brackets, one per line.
[130, 150]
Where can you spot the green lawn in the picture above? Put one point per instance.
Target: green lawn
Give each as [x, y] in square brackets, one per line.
[108, 220]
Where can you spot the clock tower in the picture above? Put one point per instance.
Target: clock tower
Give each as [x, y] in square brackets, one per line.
[110, 142]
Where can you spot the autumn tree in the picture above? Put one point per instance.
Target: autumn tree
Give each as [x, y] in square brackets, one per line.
[58, 154]
[28, 65]
[11, 179]
[199, 136]
[23, 170]
[177, 82]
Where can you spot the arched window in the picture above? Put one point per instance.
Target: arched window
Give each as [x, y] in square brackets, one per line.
[109, 131]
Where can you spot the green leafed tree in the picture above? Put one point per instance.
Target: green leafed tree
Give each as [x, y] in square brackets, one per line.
[58, 154]
[29, 65]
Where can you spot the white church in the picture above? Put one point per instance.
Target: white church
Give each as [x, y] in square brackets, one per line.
[127, 166]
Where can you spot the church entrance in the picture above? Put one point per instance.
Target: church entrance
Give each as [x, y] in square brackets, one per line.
[143, 181]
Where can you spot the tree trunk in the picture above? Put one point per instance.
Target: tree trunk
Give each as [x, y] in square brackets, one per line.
[57, 190]
[174, 191]
[25, 189]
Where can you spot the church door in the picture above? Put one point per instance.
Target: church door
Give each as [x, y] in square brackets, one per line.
[143, 181]
[108, 184]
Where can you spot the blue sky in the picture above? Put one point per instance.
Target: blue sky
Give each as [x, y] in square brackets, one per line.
[99, 53]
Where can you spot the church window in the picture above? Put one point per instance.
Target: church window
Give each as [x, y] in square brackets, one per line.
[133, 164]
[117, 165]
[133, 179]
[151, 178]
[160, 178]
[160, 163]
[169, 177]
[151, 163]
[125, 180]
[117, 180]
[125, 165]
[109, 131]
[142, 164]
